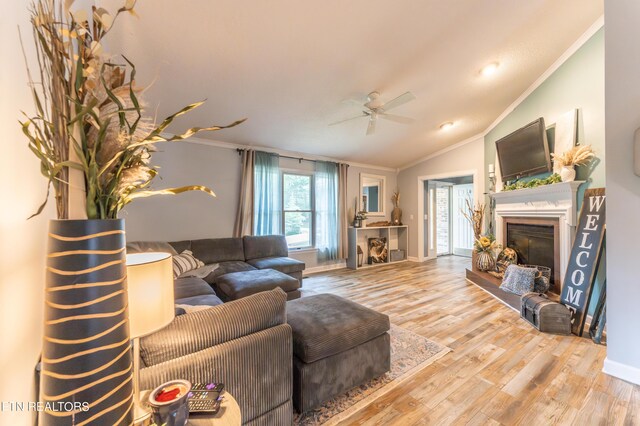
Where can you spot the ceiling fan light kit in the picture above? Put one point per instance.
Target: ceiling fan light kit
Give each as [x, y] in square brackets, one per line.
[375, 108]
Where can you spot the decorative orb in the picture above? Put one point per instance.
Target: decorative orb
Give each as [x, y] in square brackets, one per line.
[508, 255]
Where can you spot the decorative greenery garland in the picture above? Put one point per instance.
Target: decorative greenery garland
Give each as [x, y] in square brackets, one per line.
[534, 183]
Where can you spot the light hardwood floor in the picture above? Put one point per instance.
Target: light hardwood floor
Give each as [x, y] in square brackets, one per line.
[500, 371]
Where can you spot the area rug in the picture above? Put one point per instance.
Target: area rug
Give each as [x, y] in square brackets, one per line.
[410, 353]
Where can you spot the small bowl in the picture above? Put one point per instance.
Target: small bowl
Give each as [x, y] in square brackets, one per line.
[172, 412]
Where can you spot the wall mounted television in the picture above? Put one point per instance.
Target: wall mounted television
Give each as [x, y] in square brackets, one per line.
[524, 152]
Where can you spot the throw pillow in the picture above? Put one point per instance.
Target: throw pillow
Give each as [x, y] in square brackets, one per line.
[184, 262]
[519, 280]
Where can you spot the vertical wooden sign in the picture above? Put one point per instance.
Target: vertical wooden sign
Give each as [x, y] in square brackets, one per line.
[585, 258]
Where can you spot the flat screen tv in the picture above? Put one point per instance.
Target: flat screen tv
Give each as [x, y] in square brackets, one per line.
[524, 152]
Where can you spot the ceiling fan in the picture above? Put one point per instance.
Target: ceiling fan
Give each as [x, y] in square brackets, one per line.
[375, 108]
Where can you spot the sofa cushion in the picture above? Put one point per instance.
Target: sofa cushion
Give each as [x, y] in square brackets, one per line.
[257, 247]
[237, 285]
[286, 265]
[325, 324]
[227, 268]
[202, 300]
[180, 246]
[216, 250]
[150, 246]
[190, 286]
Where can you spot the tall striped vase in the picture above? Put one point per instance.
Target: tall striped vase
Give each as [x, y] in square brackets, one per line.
[86, 373]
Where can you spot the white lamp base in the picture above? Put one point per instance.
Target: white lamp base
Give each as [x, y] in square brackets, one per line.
[141, 416]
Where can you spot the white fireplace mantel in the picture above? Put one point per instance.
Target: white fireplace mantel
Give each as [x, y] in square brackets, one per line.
[555, 201]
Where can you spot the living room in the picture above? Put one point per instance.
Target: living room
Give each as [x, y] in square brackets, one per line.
[333, 266]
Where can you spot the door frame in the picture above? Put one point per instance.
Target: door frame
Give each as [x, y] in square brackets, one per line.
[421, 213]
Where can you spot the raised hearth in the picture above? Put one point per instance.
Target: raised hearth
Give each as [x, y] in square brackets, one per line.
[552, 205]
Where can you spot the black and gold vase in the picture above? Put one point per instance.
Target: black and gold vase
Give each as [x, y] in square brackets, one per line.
[86, 359]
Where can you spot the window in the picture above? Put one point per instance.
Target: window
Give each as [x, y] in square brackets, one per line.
[297, 209]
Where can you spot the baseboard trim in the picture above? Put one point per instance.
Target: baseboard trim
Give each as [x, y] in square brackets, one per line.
[621, 371]
[413, 259]
[324, 268]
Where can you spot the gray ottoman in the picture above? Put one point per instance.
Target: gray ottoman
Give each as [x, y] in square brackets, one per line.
[337, 345]
[237, 285]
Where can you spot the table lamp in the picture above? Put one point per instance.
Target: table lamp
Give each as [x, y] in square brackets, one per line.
[151, 307]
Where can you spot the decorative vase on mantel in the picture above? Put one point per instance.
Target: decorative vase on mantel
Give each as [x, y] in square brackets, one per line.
[396, 216]
[568, 173]
[86, 350]
[485, 261]
[396, 213]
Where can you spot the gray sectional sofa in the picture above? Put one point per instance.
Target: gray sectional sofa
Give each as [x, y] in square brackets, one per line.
[245, 266]
[248, 342]
[245, 344]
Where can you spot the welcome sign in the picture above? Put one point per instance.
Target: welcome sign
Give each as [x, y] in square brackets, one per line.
[585, 258]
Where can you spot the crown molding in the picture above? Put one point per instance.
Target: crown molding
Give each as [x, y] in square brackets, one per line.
[230, 145]
[599, 23]
[443, 151]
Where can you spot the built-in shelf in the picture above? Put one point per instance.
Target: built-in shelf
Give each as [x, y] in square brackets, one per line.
[397, 239]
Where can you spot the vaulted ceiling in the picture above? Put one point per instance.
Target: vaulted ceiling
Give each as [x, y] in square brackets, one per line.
[289, 65]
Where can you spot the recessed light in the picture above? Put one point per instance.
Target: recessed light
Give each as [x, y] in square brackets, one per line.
[446, 126]
[490, 69]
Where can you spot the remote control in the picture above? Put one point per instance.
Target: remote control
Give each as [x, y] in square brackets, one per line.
[204, 402]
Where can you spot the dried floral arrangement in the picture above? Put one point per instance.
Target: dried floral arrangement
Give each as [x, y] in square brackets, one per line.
[486, 243]
[89, 115]
[579, 155]
[395, 198]
[475, 216]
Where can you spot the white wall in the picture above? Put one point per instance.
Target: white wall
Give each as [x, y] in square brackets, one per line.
[464, 158]
[196, 215]
[622, 111]
[22, 189]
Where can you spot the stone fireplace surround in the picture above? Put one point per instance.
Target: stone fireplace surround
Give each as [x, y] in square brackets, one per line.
[557, 201]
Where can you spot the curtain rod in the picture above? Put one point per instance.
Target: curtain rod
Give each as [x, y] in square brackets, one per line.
[300, 159]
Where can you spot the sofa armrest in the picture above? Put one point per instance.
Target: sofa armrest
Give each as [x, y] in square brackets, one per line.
[256, 370]
[191, 333]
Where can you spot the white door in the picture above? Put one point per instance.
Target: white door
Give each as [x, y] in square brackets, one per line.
[461, 229]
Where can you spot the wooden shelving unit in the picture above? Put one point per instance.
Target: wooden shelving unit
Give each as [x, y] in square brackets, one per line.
[397, 239]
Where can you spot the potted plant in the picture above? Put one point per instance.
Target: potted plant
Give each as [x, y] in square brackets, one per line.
[579, 155]
[485, 247]
[95, 146]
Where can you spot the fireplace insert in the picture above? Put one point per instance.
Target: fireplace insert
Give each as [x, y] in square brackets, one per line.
[535, 245]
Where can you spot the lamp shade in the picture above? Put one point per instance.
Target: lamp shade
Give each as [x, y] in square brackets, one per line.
[150, 288]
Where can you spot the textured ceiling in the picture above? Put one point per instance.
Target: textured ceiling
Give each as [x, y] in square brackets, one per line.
[288, 66]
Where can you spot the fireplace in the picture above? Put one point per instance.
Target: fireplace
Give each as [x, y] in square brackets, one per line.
[536, 240]
[551, 205]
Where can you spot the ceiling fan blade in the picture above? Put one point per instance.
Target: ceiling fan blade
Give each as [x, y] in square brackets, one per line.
[371, 128]
[396, 118]
[400, 100]
[348, 119]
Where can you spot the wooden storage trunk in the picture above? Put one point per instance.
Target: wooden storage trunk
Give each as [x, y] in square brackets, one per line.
[544, 314]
